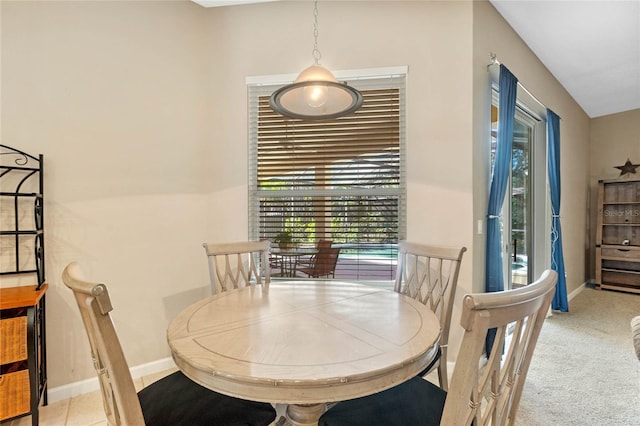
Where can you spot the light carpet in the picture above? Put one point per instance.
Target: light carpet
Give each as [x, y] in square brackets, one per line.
[584, 369]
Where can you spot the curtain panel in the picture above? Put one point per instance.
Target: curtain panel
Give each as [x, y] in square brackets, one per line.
[494, 278]
[559, 302]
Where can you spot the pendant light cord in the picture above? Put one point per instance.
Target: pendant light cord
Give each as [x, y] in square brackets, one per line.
[306, 98]
[316, 51]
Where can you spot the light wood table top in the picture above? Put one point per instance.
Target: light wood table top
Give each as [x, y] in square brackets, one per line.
[304, 343]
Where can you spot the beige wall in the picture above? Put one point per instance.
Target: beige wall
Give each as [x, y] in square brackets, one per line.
[117, 96]
[491, 34]
[140, 110]
[614, 139]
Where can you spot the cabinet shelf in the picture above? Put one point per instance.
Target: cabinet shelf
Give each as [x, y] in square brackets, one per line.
[620, 287]
[620, 259]
[27, 232]
[618, 235]
[626, 271]
[624, 203]
[20, 194]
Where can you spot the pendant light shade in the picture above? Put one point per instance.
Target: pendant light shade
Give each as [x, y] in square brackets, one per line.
[315, 94]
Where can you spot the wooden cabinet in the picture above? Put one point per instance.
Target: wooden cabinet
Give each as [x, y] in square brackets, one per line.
[23, 367]
[23, 377]
[618, 235]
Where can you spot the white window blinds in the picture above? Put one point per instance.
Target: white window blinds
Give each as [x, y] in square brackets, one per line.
[340, 180]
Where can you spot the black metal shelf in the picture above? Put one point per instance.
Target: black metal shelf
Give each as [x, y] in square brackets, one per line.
[27, 232]
[24, 172]
[32, 169]
[20, 194]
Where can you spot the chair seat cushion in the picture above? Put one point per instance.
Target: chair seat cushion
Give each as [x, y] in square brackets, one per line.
[177, 400]
[415, 402]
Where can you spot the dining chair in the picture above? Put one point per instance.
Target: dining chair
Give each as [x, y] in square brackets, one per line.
[324, 263]
[635, 332]
[322, 244]
[429, 274]
[234, 265]
[307, 261]
[172, 400]
[483, 391]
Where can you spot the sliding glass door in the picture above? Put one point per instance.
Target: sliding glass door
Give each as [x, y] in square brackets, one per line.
[523, 222]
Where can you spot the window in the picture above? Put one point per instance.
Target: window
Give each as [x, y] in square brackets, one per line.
[340, 180]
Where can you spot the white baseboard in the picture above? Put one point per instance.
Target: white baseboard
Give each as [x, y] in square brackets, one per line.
[570, 296]
[89, 385]
[577, 291]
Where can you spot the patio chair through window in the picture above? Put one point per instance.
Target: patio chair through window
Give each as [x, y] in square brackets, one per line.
[324, 263]
[307, 261]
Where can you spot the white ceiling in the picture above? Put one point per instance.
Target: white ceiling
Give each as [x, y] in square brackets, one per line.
[591, 46]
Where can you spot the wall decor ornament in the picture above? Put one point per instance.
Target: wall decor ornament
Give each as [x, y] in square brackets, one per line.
[627, 167]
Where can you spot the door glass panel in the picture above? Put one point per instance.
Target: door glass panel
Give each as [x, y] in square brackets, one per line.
[520, 204]
[517, 223]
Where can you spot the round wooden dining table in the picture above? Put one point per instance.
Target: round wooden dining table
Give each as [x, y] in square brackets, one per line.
[304, 343]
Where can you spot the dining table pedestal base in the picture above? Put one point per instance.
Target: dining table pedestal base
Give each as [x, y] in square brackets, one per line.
[305, 414]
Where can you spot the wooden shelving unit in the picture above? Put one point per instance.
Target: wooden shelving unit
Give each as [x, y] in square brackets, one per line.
[23, 354]
[23, 374]
[618, 235]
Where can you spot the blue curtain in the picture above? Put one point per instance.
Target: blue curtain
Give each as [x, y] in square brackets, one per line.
[559, 302]
[494, 281]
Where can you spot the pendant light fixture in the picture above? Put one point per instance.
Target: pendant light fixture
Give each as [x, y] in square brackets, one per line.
[315, 94]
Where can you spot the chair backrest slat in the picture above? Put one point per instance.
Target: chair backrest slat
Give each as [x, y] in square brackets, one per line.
[234, 265]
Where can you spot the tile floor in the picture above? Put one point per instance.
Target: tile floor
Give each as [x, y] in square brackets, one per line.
[82, 410]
